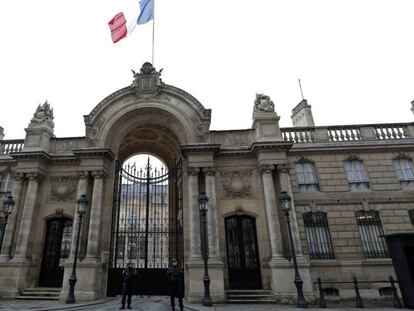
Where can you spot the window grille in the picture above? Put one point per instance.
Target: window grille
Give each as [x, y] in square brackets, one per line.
[6, 183]
[318, 236]
[405, 171]
[370, 230]
[355, 174]
[307, 179]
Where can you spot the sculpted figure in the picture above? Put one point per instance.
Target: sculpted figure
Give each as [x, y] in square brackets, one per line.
[43, 114]
[263, 103]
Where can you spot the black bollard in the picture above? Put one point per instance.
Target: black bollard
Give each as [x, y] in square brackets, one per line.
[397, 302]
[322, 302]
[358, 300]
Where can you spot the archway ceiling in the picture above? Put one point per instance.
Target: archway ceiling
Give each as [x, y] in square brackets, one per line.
[152, 139]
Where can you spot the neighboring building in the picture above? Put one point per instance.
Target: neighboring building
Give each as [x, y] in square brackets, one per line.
[349, 185]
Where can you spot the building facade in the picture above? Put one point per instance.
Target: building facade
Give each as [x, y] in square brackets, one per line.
[349, 185]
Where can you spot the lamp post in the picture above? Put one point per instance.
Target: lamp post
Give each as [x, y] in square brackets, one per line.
[285, 202]
[82, 204]
[8, 205]
[203, 205]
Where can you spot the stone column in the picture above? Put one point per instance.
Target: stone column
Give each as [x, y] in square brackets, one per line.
[82, 189]
[272, 211]
[96, 215]
[27, 217]
[11, 223]
[213, 234]
[284, 180]
[193, 192]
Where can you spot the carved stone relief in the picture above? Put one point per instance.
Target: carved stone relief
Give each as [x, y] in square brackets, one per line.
[63, 188]
[237, 184]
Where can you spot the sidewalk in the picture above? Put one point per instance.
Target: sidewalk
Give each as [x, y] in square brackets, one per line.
[162, 304]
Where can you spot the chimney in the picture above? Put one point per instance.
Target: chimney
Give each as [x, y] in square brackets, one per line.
[302, 115]
[1, 133]
[412, 106]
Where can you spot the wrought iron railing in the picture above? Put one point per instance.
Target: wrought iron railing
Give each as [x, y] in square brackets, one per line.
[359, 303]
[11, 145]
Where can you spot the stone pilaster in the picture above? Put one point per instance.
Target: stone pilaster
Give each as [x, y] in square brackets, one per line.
[212, 221]
[193, 191]
[26, 222]
[82, 189]
[272, 211]
[284, 180]
[11, 223]
[96, 215]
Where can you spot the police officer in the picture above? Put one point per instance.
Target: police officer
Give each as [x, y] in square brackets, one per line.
[175, 277]
[127, 279]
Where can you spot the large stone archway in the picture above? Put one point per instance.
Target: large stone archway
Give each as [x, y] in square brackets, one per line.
[146, 117]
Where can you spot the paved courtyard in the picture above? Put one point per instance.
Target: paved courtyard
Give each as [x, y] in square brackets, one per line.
[162, 304]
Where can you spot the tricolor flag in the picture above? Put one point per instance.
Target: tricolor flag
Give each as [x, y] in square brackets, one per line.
[121, 26]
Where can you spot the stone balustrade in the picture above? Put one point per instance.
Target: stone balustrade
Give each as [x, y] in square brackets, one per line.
[348, 133]
[11, 145]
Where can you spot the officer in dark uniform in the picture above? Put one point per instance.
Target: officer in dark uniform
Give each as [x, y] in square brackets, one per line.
[175, 277]
[127, 280]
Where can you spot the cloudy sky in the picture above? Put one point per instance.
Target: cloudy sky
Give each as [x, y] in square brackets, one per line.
[355, 58]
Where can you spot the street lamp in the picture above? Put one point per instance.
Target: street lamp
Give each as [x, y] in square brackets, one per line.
[8, 205]
[203, 205]
[82, 205]
[286, 205]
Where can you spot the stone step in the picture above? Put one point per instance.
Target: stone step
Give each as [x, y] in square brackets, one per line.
[40, 293]
[250, 296]
[36, 297]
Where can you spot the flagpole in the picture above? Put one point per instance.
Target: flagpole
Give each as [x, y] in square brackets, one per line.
[153, 30]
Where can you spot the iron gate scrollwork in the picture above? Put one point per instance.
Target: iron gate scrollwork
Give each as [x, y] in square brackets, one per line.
[147, 226]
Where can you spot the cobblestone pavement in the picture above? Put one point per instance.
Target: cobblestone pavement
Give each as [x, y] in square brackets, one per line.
[162, 304]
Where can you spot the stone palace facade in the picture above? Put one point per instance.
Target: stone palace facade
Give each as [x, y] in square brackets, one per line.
[349, 185]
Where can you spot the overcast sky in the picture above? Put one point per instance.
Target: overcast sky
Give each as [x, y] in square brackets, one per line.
[355, 58]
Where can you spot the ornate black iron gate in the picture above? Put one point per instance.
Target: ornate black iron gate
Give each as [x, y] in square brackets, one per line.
[242, 253]
[147, 226]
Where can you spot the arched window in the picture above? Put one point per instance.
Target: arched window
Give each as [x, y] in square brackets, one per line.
[355, 173]
[370, 230]
[307, 180]
[405, 171]
[318, 236]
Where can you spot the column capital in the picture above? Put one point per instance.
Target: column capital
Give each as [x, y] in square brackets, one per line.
[83, 174]
[18, 176]
[283, 168]
[34, 176]
[210, 171]
[99, 174]
[266, 168]
[192, 171]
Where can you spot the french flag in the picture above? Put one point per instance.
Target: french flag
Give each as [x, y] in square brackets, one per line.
[121, 26]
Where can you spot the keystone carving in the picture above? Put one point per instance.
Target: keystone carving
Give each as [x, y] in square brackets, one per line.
[147, 81]
[63, 188]
[237, 184]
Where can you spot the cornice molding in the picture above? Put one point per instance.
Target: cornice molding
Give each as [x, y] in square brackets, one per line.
[94, 153]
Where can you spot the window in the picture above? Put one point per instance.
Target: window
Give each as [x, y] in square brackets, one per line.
[6, 183]
[370, 230]
[355, 173]
[317, 235]
[405, 171]
[307, 180]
